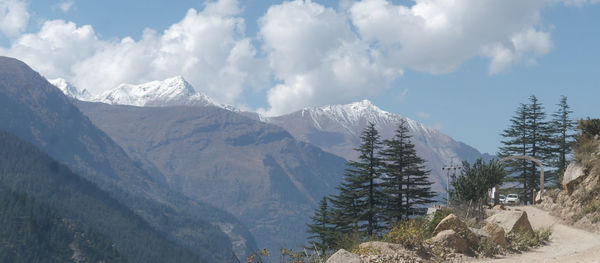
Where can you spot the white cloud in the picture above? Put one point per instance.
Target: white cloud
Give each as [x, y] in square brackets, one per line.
[13, 17]
[208, 48]
[528, 43]
[65, 6]
[317, 58]
[437, 36]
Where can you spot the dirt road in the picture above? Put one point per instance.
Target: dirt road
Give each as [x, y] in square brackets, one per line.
[567, 244]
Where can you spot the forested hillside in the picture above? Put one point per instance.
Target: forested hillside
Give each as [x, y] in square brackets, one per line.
[46, 208]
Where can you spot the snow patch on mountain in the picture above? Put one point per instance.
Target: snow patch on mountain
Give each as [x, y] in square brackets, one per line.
[174, 91]
[170, 92]
[69, 90]
[352, 117]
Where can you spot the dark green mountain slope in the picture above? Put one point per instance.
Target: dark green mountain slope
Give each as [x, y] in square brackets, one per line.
[39, 113]
[33, 232]
[49, 192]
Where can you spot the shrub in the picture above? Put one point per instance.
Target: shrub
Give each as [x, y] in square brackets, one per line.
[410, 233]
[592, 207]
[488, 248]
[437, 218]
[522, 241]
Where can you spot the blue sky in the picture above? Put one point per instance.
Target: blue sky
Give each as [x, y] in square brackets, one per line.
[462, 68]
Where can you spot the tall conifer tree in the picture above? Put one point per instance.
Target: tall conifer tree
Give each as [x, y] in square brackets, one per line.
[358, 203]
[562, 138]
[528, 135]
[322, 232]
[406, 184]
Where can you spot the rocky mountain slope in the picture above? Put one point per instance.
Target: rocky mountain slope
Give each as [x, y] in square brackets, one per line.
[578, 202]
[337, 128]
[256, 171]
[40, 114]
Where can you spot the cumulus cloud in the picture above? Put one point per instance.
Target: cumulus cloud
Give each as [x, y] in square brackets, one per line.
[208, 48]
[316, 58]
[437, 36]
[13, 17]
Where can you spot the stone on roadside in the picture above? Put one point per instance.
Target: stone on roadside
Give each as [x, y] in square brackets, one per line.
[450, 239]
[512, 221]
[454, 223]
[497, 234]
[572, 176]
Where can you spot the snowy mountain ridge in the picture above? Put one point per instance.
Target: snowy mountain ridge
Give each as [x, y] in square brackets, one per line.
[69, 90]
[175, 91]
[169, 92]
[352, 116]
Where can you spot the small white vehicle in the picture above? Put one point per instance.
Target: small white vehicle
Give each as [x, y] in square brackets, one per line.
[512, 199]
[502, 199]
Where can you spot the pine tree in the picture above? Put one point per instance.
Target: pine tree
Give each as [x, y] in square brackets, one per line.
[357, 204]
[406, 184]
[528, 135]
[563, 137]
[321, 230]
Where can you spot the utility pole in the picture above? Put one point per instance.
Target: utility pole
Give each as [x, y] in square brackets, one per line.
[450, 169]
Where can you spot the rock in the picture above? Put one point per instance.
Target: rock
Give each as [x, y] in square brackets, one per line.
[512, 221]
[538, 198]
[479, 233]
[497, 234]
[454, 223]
[573, 175]
[450, 239]
[343, 256]
[499, 207]
[384, 247]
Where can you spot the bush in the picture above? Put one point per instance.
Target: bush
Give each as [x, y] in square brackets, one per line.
[410, 233]
[589, 127]
[488, 248]
[522, 241]
[592, 207]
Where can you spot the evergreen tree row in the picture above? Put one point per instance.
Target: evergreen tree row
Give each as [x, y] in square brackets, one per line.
[388, 183]
[531, 134]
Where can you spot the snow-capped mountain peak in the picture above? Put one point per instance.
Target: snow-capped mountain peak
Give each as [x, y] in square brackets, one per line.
[353, 115]
[69, 90]
[168, 92]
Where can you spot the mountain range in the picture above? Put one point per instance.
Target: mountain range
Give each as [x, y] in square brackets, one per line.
[42, 115]
[254, 170]
[245, 163]
[337, 129]
[333, 128]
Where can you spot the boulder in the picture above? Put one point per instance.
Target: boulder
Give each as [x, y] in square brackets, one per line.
[479, 233]
[512, 221]
[451, 239]
[460, 227]
[497, 234]
[573, 175]
[343, 256]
